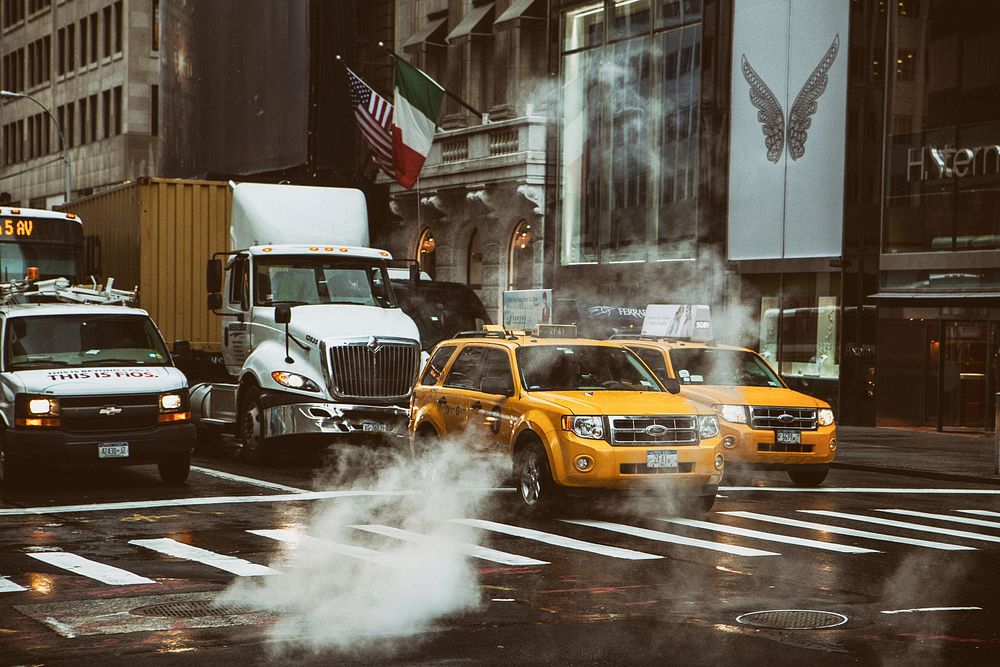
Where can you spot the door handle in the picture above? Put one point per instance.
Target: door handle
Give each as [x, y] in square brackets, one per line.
[476, 405]
[442, 401]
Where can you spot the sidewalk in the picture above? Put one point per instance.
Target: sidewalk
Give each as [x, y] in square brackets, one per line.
[969, 457]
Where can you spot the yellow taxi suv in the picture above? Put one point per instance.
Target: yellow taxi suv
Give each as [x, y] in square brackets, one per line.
[765, 425]
[573, 417]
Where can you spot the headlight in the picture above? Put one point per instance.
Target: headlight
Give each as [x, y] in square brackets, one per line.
[591, 427]
[708, 426]
[171, 402]
[825, 416]
[43, 406]
[294, 381]
[736, 414]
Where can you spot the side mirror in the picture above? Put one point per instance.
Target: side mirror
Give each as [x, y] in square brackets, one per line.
[213, 276]
[497, 384]
[672, 385]
[181, 351]
[282, 314]
[214, 301]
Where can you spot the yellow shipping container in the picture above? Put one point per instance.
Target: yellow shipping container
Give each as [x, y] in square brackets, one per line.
[155, 234]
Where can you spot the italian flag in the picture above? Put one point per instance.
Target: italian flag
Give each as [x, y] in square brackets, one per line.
[417, 103]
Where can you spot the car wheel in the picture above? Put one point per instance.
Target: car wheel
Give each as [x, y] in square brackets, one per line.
[698, 506]
[174, 469]
[535, 487]
[250, 427]
[808, 476]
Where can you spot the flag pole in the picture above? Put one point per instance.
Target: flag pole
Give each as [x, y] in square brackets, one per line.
[446, 91]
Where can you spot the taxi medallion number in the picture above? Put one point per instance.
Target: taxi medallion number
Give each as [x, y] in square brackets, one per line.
[661, 458]
[112, 450]
[787, 437]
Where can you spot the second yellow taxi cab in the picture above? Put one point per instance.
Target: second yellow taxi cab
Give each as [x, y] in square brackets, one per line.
[571, 415]
[765, 425]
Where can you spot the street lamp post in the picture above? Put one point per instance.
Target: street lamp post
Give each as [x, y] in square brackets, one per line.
[62, 139]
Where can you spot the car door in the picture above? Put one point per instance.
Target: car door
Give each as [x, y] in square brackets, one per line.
[490, 406]
[453, 398]
[425, 393]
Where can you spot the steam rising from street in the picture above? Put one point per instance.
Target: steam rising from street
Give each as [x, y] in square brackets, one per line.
[389, 589]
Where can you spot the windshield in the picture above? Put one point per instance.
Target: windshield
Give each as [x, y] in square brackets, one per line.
[73, 341]
[582, 368]
[737, 368]
[53, 261]
[440, 312]
[321, 280]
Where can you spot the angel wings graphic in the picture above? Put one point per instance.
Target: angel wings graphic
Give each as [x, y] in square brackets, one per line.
[771, 116]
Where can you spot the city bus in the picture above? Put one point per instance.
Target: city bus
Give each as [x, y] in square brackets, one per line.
[49, 240]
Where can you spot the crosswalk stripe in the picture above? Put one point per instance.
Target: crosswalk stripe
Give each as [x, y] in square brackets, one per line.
[8, 586]
[557, 540]
[906, 525]
[660, 536]
[473, 550]
[772, 537]
[85, 567]
[945, 517]
[231, 564]
[838, 530]
[301, 539]
[980, 512]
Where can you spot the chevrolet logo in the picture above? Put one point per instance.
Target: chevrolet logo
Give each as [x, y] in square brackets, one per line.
[110, 410]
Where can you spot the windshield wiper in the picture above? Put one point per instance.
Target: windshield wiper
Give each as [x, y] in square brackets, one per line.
[101, 362]
[289, 302]
[42, 362]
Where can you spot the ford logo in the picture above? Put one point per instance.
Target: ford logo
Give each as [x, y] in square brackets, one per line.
[656, 430]
[786, 418]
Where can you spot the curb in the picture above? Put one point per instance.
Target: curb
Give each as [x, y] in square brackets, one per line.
[924, 474]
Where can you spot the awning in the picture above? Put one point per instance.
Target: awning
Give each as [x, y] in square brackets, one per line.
[932, 296]
[520, 9]
[432, 34]
[477, 22]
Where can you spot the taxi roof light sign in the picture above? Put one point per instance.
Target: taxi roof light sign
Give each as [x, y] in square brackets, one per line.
[554, 331]
[681, 321]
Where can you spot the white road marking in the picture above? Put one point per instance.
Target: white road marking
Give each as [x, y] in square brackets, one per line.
[473, 550]
[660, 536]
[980, 512]
[247, 480]
[91, 569]
[910, 611]
[905, 525]
[60, 627]
[945, 517]
[231, 564]
[772, 537]
[861, 489]
[301, 539]
[8, 586]
[826, 528]
[557, 540]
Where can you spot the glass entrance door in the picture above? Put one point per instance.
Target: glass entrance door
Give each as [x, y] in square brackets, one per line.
[966, 375]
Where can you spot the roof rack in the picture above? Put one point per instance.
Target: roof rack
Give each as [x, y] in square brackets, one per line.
[62, 289]
[482, 334]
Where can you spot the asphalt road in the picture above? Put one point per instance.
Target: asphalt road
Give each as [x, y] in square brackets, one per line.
[294, 563]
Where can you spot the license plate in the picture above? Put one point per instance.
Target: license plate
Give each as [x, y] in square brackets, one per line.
[661, 458]
[372, 427]
[788, 437]
[112, 450]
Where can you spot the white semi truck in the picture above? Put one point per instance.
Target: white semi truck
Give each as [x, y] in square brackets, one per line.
[311, 331]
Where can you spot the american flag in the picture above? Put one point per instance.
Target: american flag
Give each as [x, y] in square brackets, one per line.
[374, 115]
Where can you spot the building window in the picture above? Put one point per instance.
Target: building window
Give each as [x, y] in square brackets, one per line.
[61, 48]
[106, 109]
[521, 258]
[107, 32]
[13, 12]
[82, 104]
[116, 100]
[905, 64]
[70, 48]
[425, 253]
[70, 126]
[84, 51]
[118, 26]
[154, 110]
[155, 31]
[92, 114]
[908, 8]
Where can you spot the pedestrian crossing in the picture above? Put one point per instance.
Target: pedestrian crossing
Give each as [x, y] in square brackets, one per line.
[739, 534]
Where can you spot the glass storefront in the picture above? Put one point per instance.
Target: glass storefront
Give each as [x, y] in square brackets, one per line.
[629, 133]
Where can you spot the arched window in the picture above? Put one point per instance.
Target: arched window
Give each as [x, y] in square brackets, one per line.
[425, 253]
[521, 259]
[474, 277]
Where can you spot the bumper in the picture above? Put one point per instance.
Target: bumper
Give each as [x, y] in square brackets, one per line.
[755, 448]
[63, 449]
[624, 468]
[337, 421]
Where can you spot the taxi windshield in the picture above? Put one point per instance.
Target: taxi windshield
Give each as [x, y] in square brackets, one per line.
[75, 341]
[582, 368]
[733, 368]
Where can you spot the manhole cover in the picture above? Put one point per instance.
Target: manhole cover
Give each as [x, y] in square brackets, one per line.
[194, 609]
[792, 619]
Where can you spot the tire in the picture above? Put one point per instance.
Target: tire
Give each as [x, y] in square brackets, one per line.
[698, 506]
[808, 476]
[250, 427]
[174, 469]
[536, 489]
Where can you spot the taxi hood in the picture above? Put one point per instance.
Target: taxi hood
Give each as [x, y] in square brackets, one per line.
[333, 321]
[620, 402]
[91, 380]
[739, 395]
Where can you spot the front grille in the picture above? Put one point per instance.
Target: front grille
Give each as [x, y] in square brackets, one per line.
[643, 469]
[384, 370]
[654, 430]
[768, 417]
[783, 447]
[83, 413]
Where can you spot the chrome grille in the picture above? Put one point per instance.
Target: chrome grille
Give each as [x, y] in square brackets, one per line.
[379, 370]
[768, 417]
[134, 411]
[652, 430]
